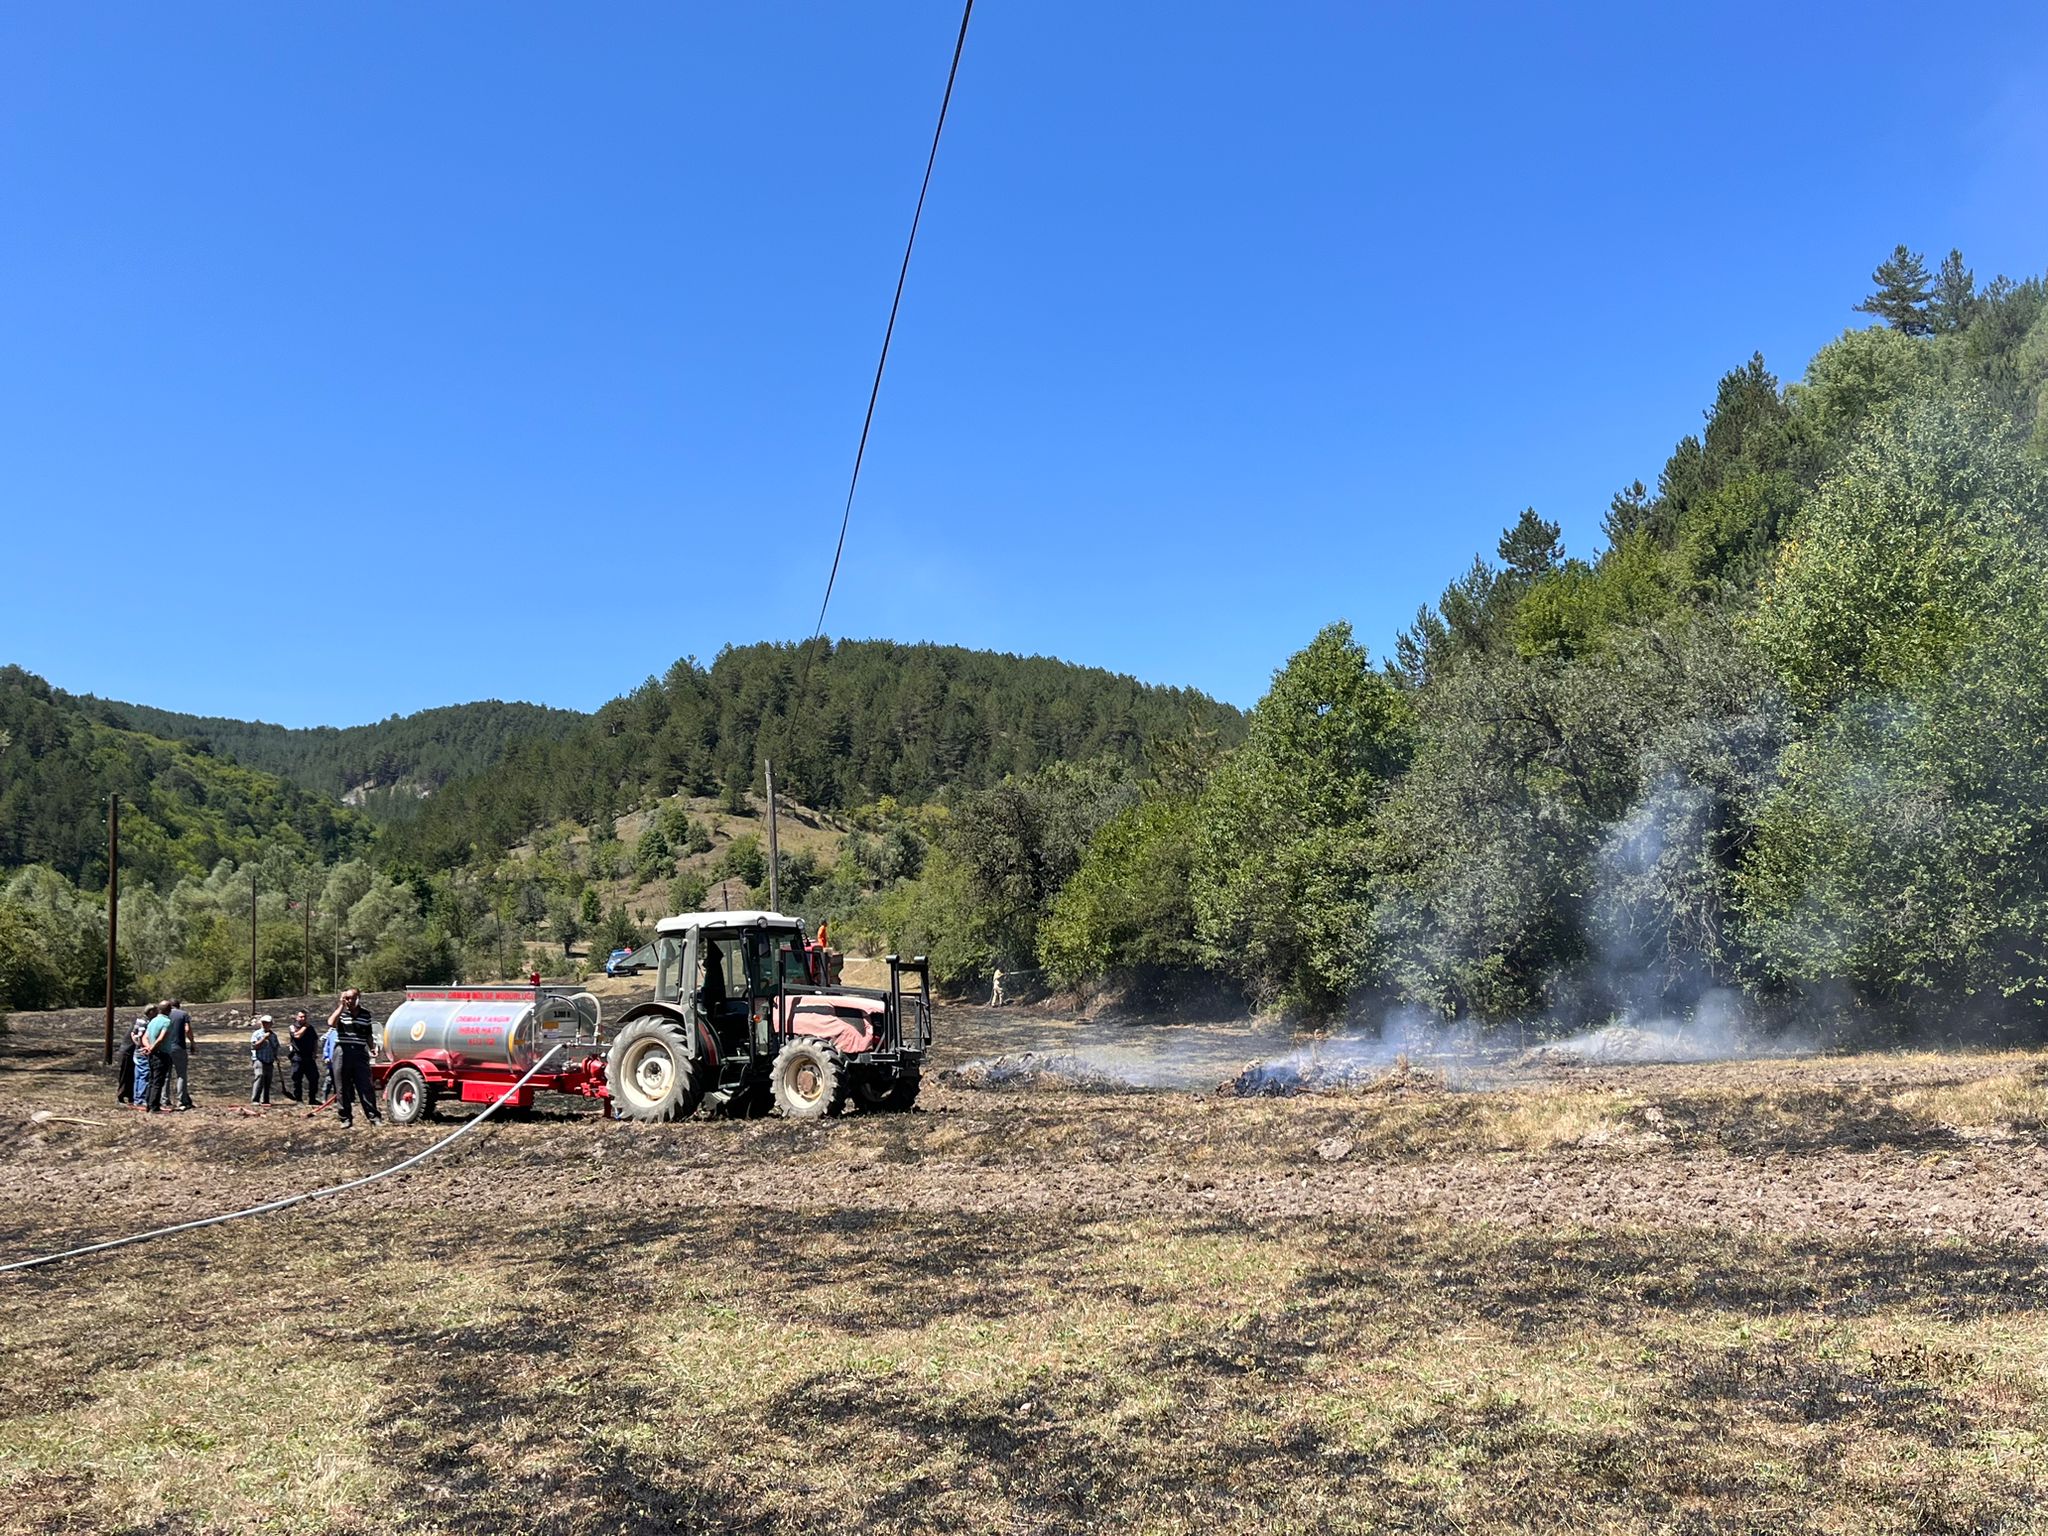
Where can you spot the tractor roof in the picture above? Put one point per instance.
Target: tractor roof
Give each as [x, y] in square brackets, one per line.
[689, 920]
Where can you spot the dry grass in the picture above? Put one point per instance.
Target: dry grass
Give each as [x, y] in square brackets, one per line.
[1051, 1313]
[2008, 1101]
[815, 1372]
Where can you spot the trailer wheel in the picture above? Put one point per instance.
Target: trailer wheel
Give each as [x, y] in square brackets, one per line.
[808, 1081]
[652, 1073]
[407, 1097]
[887, 1093]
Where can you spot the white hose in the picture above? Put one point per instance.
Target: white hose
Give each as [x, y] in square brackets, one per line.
[277, 1205]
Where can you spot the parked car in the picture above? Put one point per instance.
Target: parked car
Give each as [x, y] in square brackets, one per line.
[629, 962]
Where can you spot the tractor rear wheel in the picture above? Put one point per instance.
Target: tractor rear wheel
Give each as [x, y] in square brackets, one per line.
[651, 1072]
[808, 1081]
[407, 1097]
[887, 1093]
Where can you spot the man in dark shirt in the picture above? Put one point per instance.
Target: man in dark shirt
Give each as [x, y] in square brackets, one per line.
[304, 1043]
[182, 1040]
[353, 1038]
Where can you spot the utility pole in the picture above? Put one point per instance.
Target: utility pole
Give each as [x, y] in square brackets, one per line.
[774, 852]
[113, 907]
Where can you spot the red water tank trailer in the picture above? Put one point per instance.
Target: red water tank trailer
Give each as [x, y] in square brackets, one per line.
[473, 1043]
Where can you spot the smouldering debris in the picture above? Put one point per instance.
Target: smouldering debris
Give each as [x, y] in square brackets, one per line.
[1035, 1069]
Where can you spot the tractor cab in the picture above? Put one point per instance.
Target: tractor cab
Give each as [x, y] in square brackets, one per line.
[728, 964]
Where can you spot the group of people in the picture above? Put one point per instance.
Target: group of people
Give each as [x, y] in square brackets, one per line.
[157, 1059]
[153, 1067]
[306, 1048]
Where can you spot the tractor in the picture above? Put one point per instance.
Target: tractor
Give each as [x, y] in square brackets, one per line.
[746, 1018]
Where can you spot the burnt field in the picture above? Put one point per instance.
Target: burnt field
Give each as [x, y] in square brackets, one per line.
[1778, 1295]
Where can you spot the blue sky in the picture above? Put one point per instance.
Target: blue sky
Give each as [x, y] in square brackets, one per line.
[360, 358]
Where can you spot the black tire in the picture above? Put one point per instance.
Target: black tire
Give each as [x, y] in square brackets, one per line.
[808, 1081]
[651, 1072]
[407, 1098]
[894, 1094]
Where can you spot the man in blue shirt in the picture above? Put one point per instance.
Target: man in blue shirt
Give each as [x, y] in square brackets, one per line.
[155, 1045]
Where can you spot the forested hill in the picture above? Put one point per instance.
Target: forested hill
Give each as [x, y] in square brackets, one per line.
[384, 767]
[844, 724]
[183, 810]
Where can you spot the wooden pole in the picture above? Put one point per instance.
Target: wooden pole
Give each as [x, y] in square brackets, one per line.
[306, 990]
[774, 852]
[113, 908]
[252, 943]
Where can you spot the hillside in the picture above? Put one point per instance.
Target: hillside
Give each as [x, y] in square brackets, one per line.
[844, 724]
[383, 768]
[550, 832]
[183, 809]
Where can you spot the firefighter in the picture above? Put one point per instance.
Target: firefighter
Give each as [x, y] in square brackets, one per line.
[995, 994]
[353, 1038]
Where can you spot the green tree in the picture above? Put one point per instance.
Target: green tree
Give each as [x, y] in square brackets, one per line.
[617, 931]
[1129, 910]
[565, 921]
[30, 976]
[1531, 548]
[1908, 620]
[1859, 376]
[1282, 886]
[1902, 293]
[1954, 302]
[935, 915]
[687, 892]
[744, 860]
[1020, 841]
[652, 854]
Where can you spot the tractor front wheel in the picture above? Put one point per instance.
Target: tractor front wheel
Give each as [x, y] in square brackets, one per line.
[651, 1073]
[808, 1081]
[407, 1098]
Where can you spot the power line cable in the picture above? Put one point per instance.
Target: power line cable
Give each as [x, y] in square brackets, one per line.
[910, 245]
[312, 1194]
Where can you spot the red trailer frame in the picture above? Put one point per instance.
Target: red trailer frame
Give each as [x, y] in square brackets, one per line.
[480, 1082]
